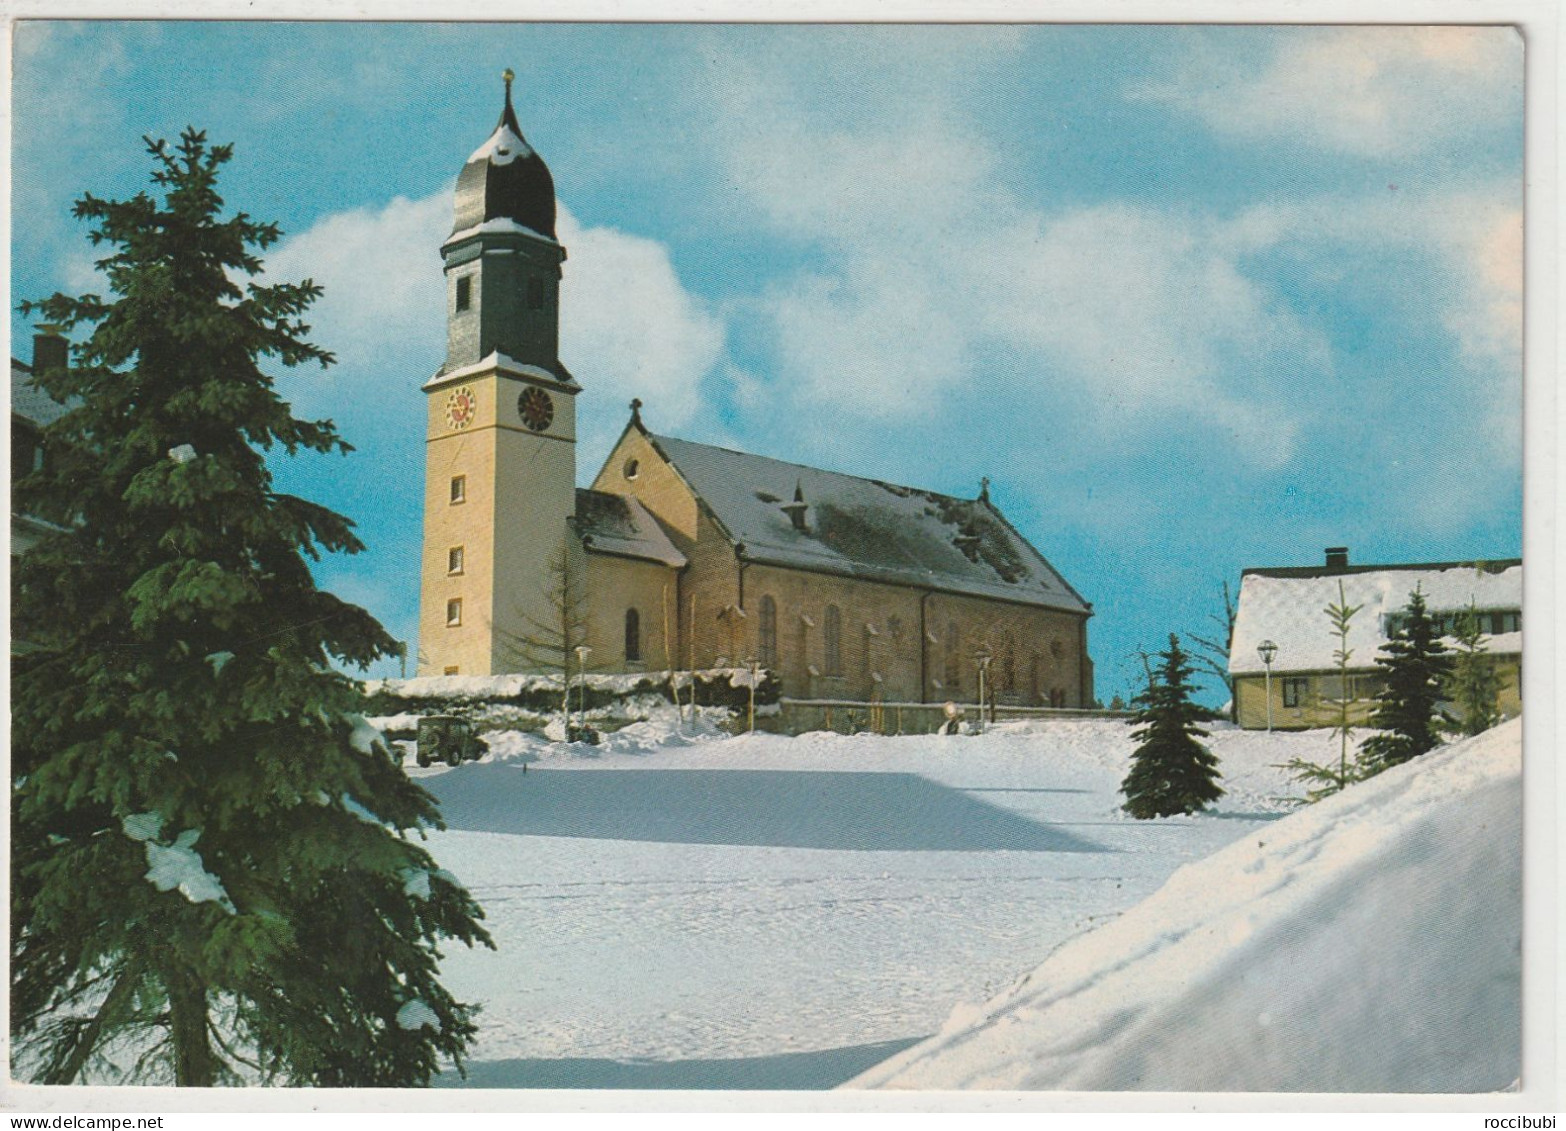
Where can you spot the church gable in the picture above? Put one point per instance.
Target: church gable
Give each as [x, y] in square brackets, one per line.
[636, 467]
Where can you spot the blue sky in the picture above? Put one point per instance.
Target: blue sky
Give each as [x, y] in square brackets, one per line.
[1195, 298]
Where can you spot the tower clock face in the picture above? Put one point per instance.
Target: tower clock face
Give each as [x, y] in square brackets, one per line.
[461, 407]
[536, 409]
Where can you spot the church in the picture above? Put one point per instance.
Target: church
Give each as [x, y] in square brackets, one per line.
[682, 555]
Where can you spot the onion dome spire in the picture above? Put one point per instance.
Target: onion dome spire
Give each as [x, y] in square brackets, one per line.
[505, 179]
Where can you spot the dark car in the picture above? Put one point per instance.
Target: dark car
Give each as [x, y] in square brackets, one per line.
[449, 739]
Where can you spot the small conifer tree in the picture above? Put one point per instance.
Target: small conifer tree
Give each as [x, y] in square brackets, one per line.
[1475, 686]
[1171, 772]
[214, 876]
[1326, 779]
[1416, 667]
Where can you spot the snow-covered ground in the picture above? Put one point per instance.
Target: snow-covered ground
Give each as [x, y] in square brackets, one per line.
[1370, 943]
[788, 912]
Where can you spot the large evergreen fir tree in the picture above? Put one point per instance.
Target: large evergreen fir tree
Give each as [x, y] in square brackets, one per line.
[1171, 771]
[215, 869]
[1415, 666]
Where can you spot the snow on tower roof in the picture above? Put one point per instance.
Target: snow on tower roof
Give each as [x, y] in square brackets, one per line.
[802, 517]
[506, 178]
[1287, 606]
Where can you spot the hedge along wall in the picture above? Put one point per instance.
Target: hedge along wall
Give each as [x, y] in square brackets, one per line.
[524, 698]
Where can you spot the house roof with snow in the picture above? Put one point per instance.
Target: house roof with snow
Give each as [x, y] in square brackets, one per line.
[622, 526]
[30, 402]
[1288, 606]
[787, 514]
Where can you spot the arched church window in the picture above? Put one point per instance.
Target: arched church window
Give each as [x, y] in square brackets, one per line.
[833, 633]
[633, 635]
[768, 633]
[1009, 663]
[952, 675]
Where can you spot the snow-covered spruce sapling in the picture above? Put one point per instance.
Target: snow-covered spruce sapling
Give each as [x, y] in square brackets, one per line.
[1474, 686]
[216, 874]
[1415, 667]
[1325, 779]
[1171, 771]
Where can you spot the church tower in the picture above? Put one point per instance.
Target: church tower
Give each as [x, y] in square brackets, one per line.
[500, 453]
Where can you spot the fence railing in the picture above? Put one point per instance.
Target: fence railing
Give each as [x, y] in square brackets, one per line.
[855, 716]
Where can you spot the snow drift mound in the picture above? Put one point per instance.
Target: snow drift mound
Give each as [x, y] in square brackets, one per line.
[1369, 943]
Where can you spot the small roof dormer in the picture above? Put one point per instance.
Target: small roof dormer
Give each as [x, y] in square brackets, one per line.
[505, 179]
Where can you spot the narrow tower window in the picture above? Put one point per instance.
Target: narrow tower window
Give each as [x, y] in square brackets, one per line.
[459, 488]
[454, 560]
[464, 293]
[535, 294]
[454, 612]
[769, 633]
[833, 632]
[633, 635]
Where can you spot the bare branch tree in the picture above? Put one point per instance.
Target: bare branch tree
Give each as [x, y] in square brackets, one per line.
[548, 646]
[1211, 653]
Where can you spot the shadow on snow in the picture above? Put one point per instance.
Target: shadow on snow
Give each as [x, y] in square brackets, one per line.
[793, 1071]
[764, 808]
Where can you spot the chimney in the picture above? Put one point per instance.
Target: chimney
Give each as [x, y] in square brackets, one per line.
[50, 350]
[1337, 557]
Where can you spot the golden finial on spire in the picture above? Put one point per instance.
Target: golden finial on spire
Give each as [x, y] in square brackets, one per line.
[508, 74]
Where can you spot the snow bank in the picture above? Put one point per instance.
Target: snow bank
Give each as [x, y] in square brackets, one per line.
[1371, 942]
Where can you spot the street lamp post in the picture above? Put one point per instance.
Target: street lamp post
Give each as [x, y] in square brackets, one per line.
[984, 657]
[582, 652]
[752, 664]
[1267, 650]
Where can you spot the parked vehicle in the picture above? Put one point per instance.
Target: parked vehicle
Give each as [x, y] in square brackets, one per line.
[449, 739]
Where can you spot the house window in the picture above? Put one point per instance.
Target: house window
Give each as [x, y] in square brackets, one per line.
[633, 635]
[1367, 686]
[459, 488]
[450, 669]
[535, 294]
[454, 561]
[833, 634]
[1295, 690]
[454, 612]
[952, 673]
[464, 293]
[769, 632]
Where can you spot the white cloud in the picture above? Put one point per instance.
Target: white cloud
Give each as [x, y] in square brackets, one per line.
[1369, 91]
[628, 326]
[937, 283]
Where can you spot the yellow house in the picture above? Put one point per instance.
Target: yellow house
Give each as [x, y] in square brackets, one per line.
[684, 555]
[1286, 609]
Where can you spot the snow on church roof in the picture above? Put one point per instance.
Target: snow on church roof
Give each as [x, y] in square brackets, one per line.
[620, 525]
[1287, 606]
[868, 529]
